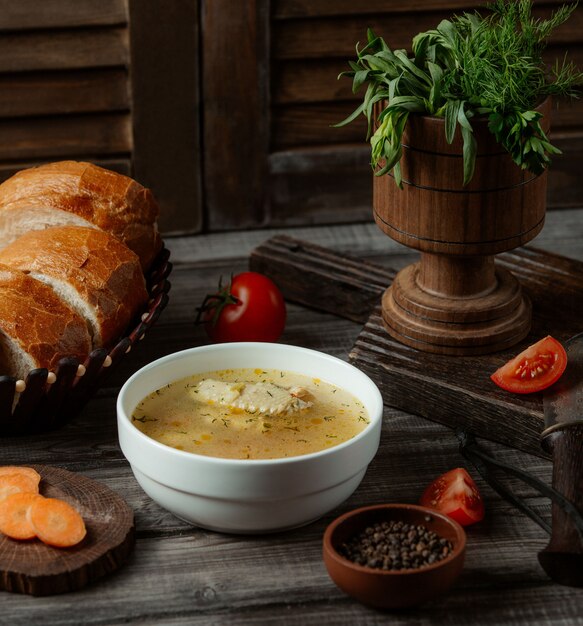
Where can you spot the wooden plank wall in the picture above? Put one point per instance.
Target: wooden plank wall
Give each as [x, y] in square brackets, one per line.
[164, 73]
[235, 90]
[64, 89]
[320, 173]
[224, 109]
[114, 82]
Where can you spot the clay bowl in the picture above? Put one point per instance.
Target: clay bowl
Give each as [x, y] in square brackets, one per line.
[385, 589]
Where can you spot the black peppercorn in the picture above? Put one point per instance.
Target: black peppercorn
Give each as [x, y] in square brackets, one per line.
[395, 546]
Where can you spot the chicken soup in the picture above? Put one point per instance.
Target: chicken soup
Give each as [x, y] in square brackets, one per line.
[250, 414]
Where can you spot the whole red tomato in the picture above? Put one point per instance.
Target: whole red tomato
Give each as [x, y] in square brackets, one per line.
[455, 494]
[249, 308]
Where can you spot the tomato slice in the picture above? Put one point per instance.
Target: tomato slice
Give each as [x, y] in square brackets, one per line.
[456, 495]
[534, 369]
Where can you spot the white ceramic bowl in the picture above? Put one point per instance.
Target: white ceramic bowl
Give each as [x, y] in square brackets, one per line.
[248, 496]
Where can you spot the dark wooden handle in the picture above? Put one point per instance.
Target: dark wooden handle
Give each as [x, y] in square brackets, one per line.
[562, 559]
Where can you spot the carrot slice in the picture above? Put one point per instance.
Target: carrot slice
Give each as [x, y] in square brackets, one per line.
[14, 515]
[20, 469]
[16, 483]
[56, 523]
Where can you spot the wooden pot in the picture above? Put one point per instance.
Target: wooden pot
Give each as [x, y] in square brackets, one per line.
[455, 300]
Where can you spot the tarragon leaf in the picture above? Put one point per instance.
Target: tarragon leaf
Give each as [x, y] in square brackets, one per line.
[397, 175]
[412, 104]
[435, 71]
[462, 117]
[469, 153]
[351, 117]
[360, 78]
[448, 32]
[451, 116]
[419, 73]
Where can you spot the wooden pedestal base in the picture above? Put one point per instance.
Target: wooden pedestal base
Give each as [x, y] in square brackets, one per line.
[493, 318]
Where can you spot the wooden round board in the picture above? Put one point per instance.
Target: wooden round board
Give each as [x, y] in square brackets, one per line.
[37, 569]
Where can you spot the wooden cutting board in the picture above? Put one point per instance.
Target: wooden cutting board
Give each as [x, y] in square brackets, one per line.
[37, 569]
[455, 391]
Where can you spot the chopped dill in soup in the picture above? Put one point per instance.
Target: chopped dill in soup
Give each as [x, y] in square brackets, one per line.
[250, 414]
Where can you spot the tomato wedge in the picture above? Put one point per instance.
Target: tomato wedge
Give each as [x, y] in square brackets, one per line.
[534, 369]
[456, 495]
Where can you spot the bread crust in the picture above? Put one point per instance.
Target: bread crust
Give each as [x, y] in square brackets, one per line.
[38, 322]
[113, 202]
[104, 272]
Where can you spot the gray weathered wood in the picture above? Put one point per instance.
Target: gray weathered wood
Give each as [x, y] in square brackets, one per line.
[319, 278]
[183, 575]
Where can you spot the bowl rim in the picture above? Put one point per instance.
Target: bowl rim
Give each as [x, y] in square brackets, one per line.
[124, 419]
[331, 551]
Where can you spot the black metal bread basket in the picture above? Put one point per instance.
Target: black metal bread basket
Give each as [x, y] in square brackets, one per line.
[49, 400]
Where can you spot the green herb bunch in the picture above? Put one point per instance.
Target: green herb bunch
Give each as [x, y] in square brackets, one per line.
[470, 65]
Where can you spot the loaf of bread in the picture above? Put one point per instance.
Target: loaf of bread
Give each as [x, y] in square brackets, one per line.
[80, 194]
[37, 328]
[90, 270]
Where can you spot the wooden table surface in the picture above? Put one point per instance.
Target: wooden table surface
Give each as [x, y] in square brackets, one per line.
[179, 574]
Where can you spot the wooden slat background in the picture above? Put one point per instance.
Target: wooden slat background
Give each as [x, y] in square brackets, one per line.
[164, 73]
[224, 109]
[32, 14]
[235, 91]
[318, 8]
[114, 82]
[64, 84]
[70, 92]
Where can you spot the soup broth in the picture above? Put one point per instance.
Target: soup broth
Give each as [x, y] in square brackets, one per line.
[250, 414]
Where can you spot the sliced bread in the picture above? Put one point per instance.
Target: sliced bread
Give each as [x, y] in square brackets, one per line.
[82, 194]
[37, 328]
[90, 270]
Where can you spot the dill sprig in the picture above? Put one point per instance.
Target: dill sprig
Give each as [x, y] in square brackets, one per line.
[470, 65]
